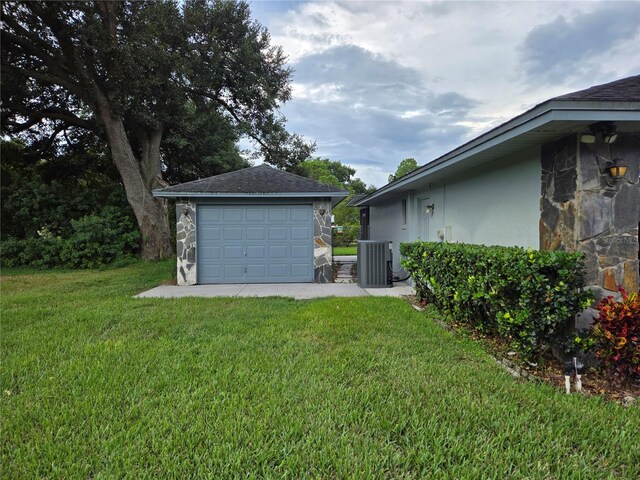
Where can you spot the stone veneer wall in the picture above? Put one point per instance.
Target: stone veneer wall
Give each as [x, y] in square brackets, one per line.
[322, 242]
[186, 242]
[582, 210]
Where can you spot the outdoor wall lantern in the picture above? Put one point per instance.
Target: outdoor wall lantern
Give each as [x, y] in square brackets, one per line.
[616, 168]
[607, 131]
[429, 209]
[322, 211]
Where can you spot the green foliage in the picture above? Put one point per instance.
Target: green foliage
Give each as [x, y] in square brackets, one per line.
[407, 165]
[169, 86]
[46, 190]
[100, 240]
[95, 240]
[333, 172]
[348, 236]
[162, 66]
[526, 296]
[200, 144]
[616, 331]
[330, 172]
[98, 384]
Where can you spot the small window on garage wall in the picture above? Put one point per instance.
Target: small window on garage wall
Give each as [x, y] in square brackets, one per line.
[404, 211]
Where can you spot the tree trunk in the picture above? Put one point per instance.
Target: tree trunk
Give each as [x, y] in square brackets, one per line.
[139, 178]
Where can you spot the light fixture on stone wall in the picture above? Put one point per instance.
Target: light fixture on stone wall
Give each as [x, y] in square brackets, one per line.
[322, 211]
[616, 169]
[609, 133]
[588, 138]
[606, 131]
[429, 209]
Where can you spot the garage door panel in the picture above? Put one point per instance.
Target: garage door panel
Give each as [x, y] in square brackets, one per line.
[278, 233]
[233, 215]
[256, 251]
[300, 269]
[210, 234]
[256, 270]
[300, 251]
[278, 251]
[278, 270]
[214, 271]
[255, 244]
[300, 233]
[234, 273]
[256, 214]
[300, 214]
[210, 252]
[256, 233]
[233, 233]
[233, 252]
[209, 215]
[278, 214]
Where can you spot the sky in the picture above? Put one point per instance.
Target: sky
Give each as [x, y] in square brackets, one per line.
[375, 82]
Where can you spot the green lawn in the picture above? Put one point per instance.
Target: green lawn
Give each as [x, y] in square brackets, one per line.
[345, 250]
[96, 384]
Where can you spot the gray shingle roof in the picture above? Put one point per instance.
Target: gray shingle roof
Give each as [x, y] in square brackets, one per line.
[260, 180]
[355, 199]
[623, 90]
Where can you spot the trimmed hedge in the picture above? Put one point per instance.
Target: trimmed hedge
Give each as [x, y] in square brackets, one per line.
[95, 241]
[526, 296]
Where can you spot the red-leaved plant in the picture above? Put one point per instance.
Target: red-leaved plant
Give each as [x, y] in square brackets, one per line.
[617, 334]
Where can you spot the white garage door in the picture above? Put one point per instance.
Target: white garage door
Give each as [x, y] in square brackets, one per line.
[255, 244]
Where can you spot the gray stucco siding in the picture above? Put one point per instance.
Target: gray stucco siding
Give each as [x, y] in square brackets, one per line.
[386, 223]
[494, 204]
[497, 203]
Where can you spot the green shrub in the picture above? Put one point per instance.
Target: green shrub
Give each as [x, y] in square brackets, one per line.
[96, 240]
[100, 239]
[40, 252]
[616, 331]
[348, 236]
[526, 296]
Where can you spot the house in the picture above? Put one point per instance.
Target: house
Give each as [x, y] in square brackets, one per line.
[255, 225]
[549, 179]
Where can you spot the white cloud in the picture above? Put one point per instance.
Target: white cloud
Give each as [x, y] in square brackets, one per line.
[376, 82]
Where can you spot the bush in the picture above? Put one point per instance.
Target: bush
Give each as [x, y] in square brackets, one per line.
[526, 296]
[348, 236]
[96, 240]
[40, 252]
[616, 331]
[100, 239]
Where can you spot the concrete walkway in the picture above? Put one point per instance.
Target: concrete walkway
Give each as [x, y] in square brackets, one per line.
[299, 291]
[345, 258]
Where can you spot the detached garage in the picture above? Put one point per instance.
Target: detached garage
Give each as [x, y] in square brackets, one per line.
[256, 225]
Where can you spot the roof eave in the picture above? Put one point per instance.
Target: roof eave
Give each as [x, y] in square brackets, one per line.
[336, 197]
[546, 112]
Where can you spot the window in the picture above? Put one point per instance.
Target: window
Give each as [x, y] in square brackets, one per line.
[404, 211]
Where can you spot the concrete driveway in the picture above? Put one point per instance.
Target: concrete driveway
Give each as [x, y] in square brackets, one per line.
[298, 291]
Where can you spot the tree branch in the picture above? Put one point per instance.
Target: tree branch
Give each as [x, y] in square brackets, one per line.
[229, 110]
[47, 77]
[53, 114]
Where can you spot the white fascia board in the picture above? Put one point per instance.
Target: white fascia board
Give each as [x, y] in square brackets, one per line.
[535, 118]
[159, 193]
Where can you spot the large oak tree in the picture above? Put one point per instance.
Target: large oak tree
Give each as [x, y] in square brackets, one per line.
[141, 74]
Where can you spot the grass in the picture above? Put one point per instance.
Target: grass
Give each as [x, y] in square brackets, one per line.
[96, 384]
[345, 250]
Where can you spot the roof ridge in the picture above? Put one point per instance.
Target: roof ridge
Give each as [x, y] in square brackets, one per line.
[256, 179]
